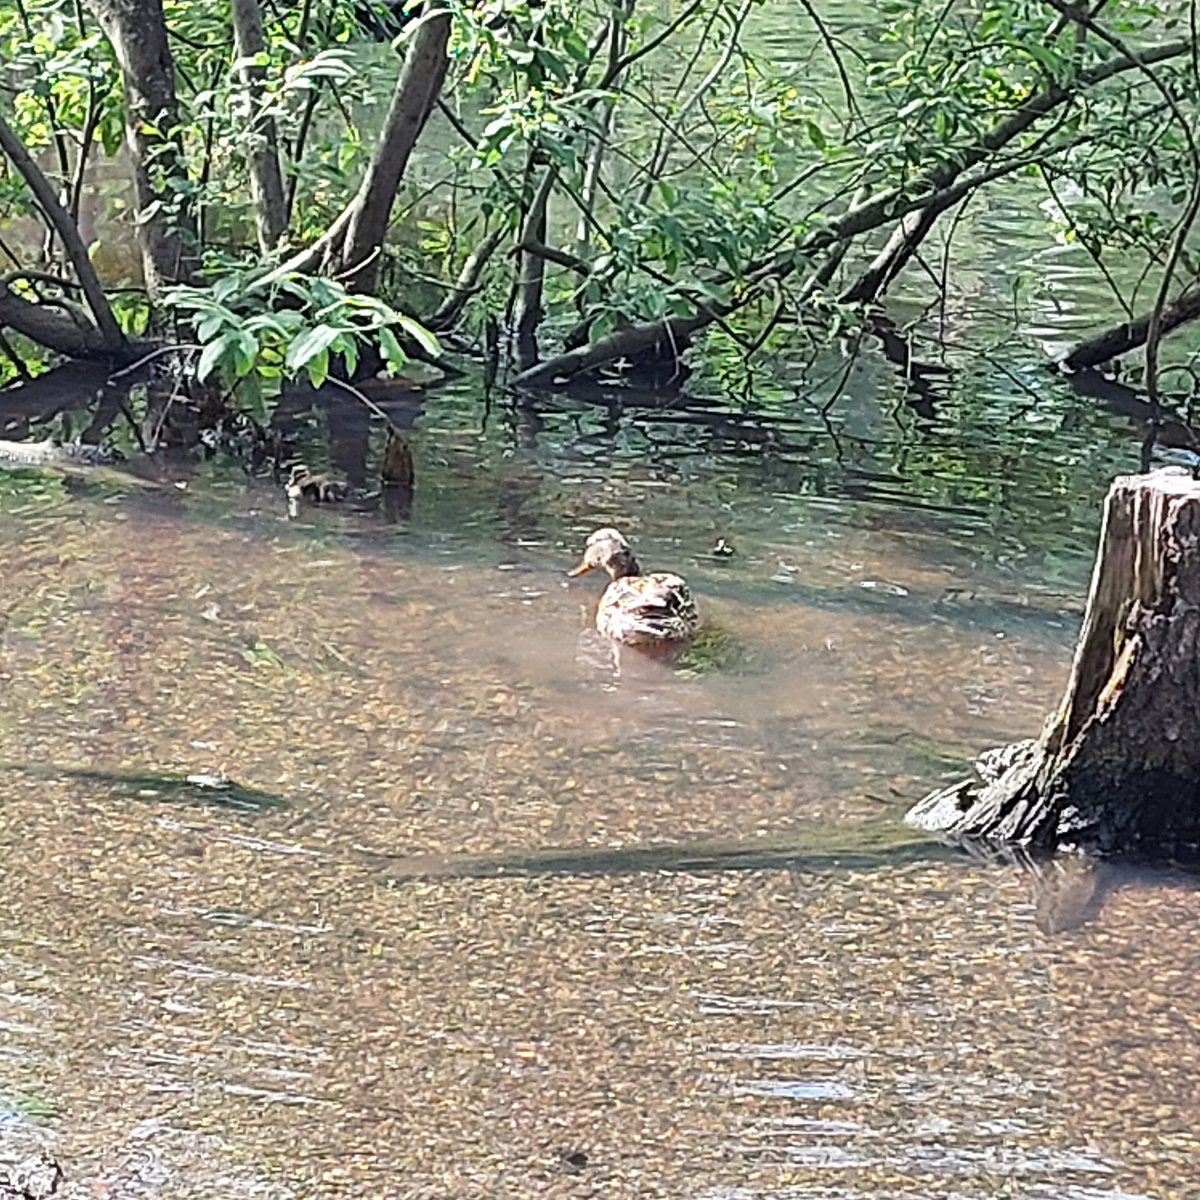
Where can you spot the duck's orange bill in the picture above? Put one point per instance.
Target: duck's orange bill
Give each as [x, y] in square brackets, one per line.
[582, 569]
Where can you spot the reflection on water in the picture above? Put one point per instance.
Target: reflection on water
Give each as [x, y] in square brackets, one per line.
[335, 862]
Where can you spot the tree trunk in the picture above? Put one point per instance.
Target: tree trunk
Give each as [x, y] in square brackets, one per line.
[1130, 335]
[1117, 768]
[527, 312]
[137, 30]
[266, 179]
[417, 90]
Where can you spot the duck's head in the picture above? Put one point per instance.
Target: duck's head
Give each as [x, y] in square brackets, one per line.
[606, 548]
[297, 478]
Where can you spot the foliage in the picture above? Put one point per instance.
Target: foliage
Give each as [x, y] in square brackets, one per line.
[690, 165]
[252, 334]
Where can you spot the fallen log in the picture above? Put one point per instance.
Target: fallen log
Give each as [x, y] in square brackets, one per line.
[1130, 335]
[1116, 770]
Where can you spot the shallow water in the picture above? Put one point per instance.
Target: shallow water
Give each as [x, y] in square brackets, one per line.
[485, 918]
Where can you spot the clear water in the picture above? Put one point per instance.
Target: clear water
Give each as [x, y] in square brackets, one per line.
[483, 918]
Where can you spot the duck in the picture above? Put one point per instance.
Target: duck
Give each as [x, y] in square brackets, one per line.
[306, 484]
[652, 612]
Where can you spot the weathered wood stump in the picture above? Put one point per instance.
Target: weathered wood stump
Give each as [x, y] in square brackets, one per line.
[1117, 768]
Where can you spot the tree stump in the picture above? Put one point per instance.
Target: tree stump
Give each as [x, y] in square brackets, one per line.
[1117, 768]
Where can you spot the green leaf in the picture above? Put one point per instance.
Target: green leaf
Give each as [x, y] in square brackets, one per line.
[208, 327]
[392, 351]
[347, 347]
[311, 343]
[318, 368]
[420, 335]
[245, 352]
[211, 357]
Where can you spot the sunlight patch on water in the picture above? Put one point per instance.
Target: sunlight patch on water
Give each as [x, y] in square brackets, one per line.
[793, 1089]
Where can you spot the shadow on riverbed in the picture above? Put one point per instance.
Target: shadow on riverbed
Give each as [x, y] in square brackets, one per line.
[863, 849]
[216, 791]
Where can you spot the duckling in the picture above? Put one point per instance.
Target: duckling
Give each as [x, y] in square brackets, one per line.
[321, 489]
[653, 611]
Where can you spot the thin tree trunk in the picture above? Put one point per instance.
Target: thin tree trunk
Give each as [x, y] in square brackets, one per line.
[591, 182]
[266, 178]
[935, 190]
[452, 306]
[417, 90]
[527, 312]
[137, 30]
[891, 260]
[64, 225]
[915, 226]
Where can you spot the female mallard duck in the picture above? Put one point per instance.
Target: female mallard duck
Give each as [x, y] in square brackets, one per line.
[651, 611]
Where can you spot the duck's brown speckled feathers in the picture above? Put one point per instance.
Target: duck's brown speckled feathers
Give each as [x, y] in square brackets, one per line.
[653, 610]
[647, 609]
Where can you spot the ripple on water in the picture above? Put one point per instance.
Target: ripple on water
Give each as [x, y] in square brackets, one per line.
[792, 1089]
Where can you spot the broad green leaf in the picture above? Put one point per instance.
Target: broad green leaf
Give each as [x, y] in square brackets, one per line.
[391, 348]
[318, 368]
[419, 334]
[211, 358]
[311, 343]
[245, 352]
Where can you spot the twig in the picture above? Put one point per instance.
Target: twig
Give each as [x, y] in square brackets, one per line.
[6, 347]
[653, 44]
[827, 38]
[174, 348]
[349, 387]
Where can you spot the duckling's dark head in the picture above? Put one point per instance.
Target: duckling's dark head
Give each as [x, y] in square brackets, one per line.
[606, 548]
[298, 477]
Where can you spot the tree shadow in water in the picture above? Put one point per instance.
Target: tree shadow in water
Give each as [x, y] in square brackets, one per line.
[215, 791]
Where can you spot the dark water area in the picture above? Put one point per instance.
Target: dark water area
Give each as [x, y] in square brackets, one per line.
[485, 916]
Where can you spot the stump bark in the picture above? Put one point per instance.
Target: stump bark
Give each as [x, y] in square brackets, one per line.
[1116, 770]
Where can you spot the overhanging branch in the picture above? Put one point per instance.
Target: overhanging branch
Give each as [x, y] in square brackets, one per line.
[66, 228]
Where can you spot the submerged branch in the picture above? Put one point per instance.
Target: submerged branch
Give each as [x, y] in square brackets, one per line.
[629, 342]
[1129, 335]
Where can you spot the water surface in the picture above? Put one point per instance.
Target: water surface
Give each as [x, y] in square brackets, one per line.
[485, 918]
